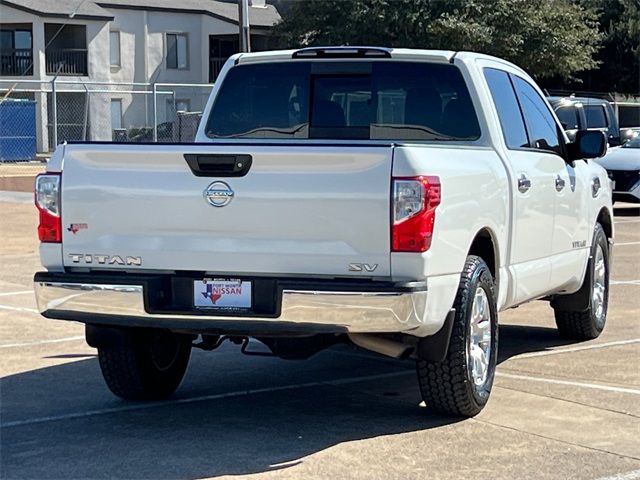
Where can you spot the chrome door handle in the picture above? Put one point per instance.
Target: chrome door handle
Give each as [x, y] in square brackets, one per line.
[524, 184]
[560, 183]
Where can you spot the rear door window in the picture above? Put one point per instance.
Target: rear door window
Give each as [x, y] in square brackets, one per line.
[504, 98]
[541, 125]
[596, 116]
[353, 100]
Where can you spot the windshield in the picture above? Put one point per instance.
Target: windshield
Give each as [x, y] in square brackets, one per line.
[344, 100]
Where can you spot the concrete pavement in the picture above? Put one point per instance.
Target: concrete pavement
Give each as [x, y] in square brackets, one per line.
[558, 410]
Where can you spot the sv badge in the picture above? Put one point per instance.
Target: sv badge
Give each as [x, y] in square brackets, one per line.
[362, 267]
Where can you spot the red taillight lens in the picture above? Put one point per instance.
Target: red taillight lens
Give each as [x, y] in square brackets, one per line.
[414, 213]
[47, 197]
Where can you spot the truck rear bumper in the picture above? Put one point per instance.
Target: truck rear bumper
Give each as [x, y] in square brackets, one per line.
[301, 307]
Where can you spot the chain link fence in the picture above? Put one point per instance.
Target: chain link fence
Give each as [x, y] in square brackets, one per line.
[36, 116]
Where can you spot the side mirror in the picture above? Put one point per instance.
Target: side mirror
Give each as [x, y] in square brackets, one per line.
[588, 144]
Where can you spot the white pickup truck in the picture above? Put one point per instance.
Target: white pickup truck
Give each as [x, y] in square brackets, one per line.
[395, 199]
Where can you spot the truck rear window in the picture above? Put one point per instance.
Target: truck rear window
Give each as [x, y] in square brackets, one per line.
[344, 100]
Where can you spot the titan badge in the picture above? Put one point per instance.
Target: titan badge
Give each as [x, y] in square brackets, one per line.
[105, 259]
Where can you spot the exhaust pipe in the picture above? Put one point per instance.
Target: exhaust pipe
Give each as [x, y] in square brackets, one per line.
[381, 345]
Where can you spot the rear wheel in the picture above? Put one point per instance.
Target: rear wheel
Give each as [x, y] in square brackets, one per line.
[588, 324]
[461, 383]
[148, 365]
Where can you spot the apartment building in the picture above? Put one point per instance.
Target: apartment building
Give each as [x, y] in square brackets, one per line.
[84, 43]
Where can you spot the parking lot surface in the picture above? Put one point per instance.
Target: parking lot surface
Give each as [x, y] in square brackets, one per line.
[558, 410]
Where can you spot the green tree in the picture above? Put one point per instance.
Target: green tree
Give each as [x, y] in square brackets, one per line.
[619, 58]
[550, 38]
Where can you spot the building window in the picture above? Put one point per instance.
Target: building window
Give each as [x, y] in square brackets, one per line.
[16, 55]
[175, 106]
[221, 47]
[183, 105]
[116, 114]
[177, 51]
[66, 49]
[114, 46]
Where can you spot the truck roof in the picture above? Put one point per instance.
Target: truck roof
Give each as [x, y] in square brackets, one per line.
[570, 100]
[347, 52]
[363, 52]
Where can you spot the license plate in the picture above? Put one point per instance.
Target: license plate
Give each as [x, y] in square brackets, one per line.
[222, 294]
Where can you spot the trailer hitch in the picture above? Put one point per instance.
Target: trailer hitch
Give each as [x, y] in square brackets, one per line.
[212, 342]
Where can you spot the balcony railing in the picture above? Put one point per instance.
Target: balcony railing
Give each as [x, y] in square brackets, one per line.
[16, 61]
[215, 65]
[66, 61]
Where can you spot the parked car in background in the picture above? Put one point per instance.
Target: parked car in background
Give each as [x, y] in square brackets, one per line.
[628, 119]
[623, 167]
[583, 113]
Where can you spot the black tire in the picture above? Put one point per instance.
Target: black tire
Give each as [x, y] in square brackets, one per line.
[148, 365]
[587, 324]
[448, 386]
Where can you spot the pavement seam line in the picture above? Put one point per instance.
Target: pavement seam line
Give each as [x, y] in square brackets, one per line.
[22, 292]
[579, 445]
[632, 475]
[180, 401]
[553, 397]
[19, 309]
[521, 371]
[576, 349]
[529, 393]
[531, 354]
[42, 342]
[594, 386]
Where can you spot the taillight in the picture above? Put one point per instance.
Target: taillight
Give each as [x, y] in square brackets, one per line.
[47, 193]
[414, 213]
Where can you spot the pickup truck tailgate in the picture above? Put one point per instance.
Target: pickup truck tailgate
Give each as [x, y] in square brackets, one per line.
[298, 210]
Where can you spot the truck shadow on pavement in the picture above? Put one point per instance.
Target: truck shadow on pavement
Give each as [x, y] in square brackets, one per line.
[61, 421]
[518, 339]
[237, 434]
[626, 211]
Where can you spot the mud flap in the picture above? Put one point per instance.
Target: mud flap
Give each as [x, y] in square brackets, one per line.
[435, 347]
[580, 300]
[105, 336]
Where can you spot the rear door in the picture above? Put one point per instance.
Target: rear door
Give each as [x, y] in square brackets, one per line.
[297, 210]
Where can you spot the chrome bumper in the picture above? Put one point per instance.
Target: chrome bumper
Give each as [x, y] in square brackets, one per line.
[305, 310]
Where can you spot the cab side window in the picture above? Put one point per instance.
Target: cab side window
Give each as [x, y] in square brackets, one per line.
[542, 127]
[504, 98]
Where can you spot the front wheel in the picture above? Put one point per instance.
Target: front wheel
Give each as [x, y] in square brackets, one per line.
[587, 324]
[148, 365]
[461, 383]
